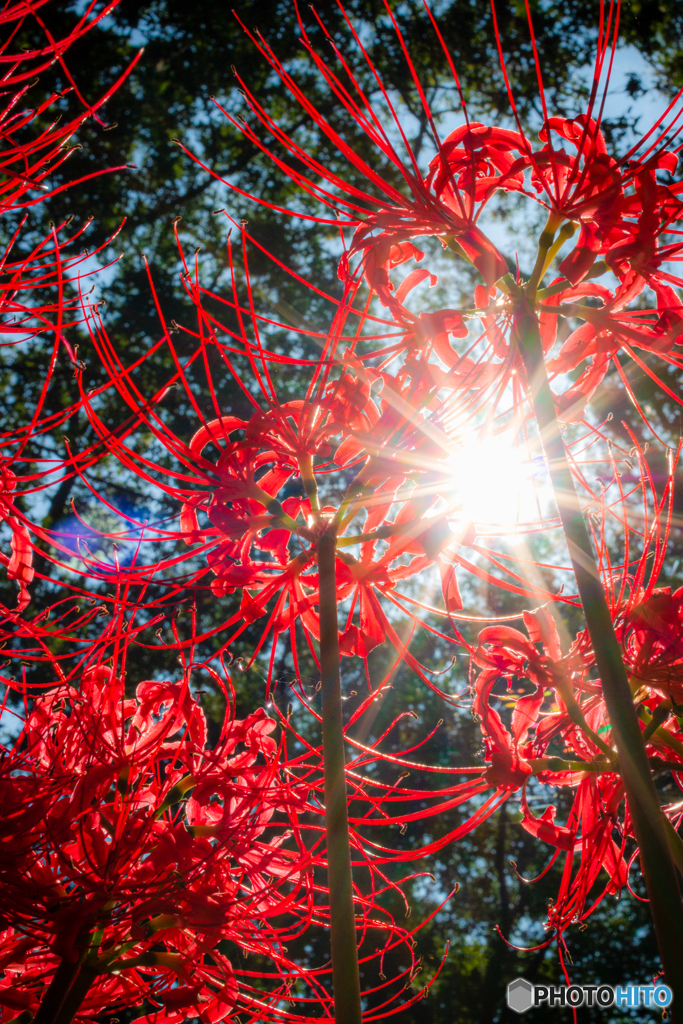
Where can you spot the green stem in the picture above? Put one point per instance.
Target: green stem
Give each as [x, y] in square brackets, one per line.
[544, 246]
[558, 764]
[308, 480]
[76, 995]
[345, 979]
[652, 723]
[597, 270]
[648, 821]
[655, 733]
[56, 992]
[577, 716]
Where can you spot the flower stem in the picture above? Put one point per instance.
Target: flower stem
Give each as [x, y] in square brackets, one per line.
[57, 991]
[345, 980]
[649, 828]
[76, 995]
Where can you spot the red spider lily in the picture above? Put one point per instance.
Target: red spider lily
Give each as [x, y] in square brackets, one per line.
[236, 514]
[27, 159]
[426, 210]
[559, 731]
[242, 496]
[623, 214]
[233, 477]
[132, 849]
[565, 740]
[19, 566]
[234, 503]
[652, 640]
[393, 416]
[626, 217]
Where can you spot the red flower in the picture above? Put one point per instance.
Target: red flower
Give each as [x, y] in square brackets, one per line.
[652, 636]
[576, 725]
[361, 461]
[624, 213]
[20, 565]
[134, 848]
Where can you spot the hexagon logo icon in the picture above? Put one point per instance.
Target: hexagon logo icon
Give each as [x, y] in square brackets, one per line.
[520, 995]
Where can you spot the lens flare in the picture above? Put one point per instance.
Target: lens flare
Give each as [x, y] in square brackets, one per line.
[494, 481]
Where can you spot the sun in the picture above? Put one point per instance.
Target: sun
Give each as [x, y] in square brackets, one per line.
[495, 482]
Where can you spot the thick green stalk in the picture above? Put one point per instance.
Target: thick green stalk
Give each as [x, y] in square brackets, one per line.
[660, 875]
[56, 992]
[345, 980]
[76, 995]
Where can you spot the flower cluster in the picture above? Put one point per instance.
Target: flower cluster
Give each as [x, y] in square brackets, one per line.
[126, 881]
[626, 212]
[131, 849]
[560, 735]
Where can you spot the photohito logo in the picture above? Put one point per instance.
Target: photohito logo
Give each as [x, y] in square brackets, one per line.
[522, 995]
